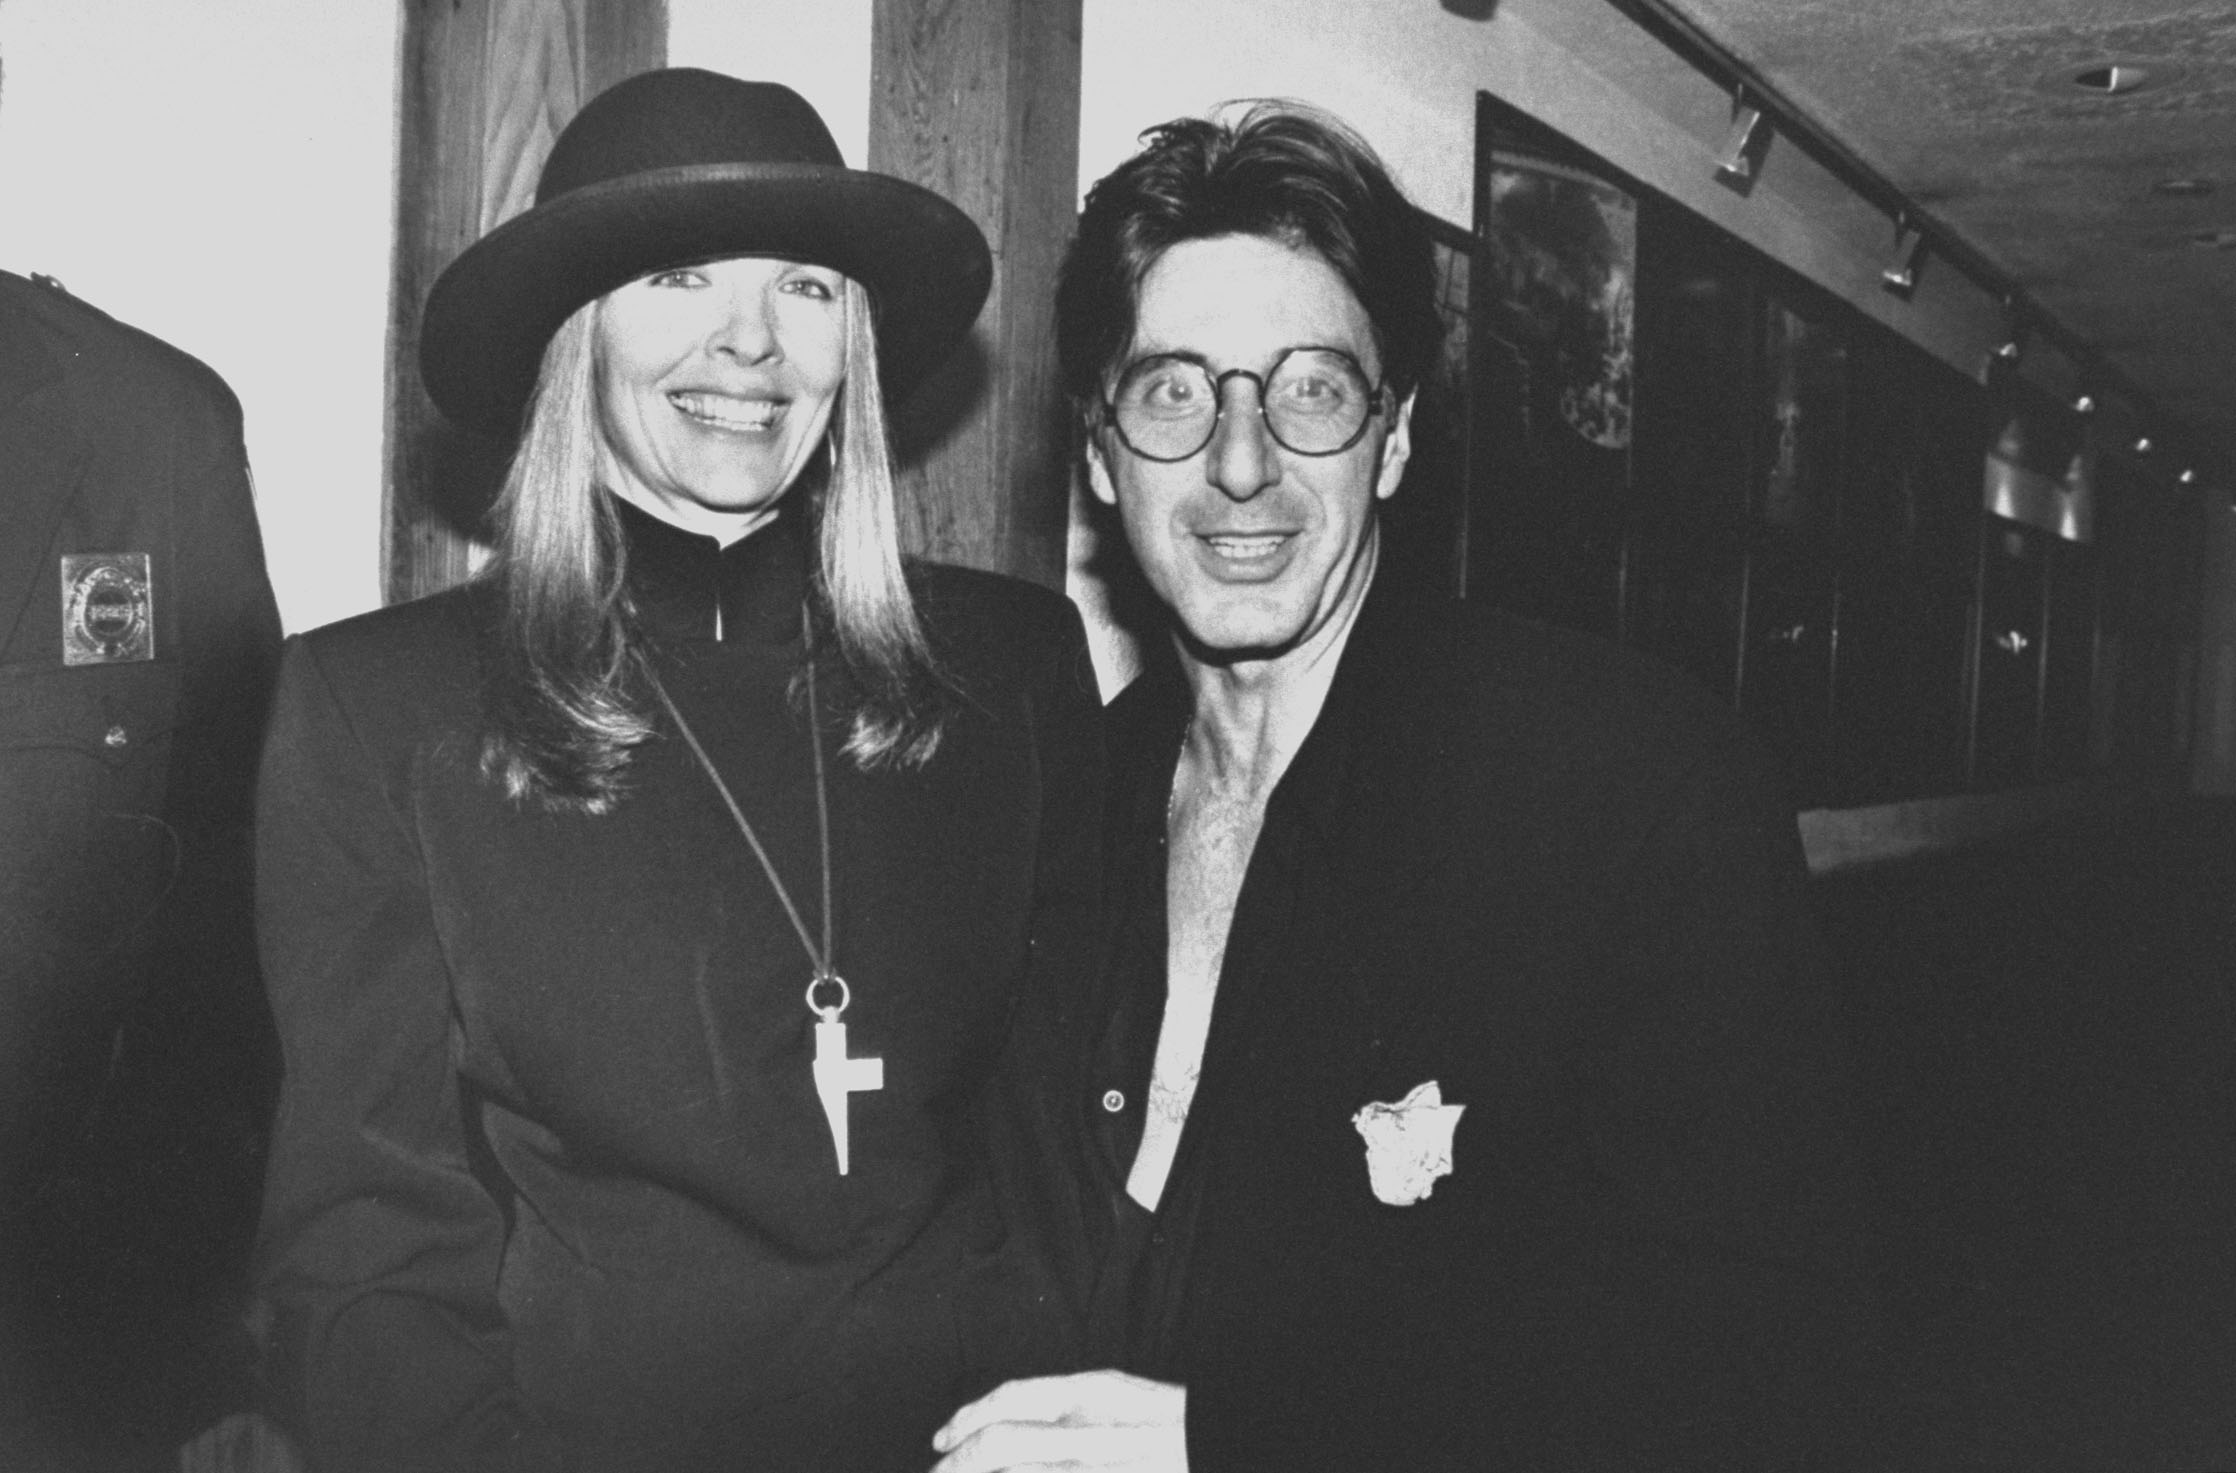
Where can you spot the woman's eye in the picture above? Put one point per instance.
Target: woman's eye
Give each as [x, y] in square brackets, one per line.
[681, 277]
[814, 288]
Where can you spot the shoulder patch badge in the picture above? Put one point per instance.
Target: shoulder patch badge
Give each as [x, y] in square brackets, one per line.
[108, 608]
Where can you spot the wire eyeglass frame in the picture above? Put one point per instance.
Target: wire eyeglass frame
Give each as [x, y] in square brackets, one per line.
[1375, 398]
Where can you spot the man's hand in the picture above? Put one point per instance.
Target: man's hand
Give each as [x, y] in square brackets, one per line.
[1095, 1420]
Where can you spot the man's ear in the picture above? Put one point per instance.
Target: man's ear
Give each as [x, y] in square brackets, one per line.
[1098, 472]
[1397, 449]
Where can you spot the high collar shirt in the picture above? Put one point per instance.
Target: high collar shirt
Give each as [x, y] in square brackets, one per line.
[687, 586]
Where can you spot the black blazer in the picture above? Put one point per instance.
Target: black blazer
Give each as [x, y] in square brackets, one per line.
[133, 1047]
[1559, 882]
[550, 1184]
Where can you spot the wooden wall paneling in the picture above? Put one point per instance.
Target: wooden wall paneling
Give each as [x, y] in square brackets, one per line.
[486, 85]
[621, 38]
[979, 100]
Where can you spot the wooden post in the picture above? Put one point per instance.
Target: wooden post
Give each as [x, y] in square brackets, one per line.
[486, 86]
[979, 100]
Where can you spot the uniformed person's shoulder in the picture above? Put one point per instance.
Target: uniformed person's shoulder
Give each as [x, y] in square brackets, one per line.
[126, 363]
[990, 624]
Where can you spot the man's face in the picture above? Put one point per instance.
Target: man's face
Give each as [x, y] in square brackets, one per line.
[1256, 548]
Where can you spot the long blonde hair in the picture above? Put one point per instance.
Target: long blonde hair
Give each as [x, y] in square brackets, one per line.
[566, 699]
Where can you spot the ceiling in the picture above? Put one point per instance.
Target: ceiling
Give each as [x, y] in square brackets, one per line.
[2109, 202]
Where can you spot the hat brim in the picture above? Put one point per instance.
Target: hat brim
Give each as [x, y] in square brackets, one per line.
[494, 309]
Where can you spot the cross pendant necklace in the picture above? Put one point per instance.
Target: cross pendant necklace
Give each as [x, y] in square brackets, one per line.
[828, 996]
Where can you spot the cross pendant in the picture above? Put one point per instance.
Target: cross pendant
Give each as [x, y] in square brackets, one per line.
[837, 1076]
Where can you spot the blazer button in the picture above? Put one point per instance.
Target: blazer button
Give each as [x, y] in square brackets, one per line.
[1113, 1101]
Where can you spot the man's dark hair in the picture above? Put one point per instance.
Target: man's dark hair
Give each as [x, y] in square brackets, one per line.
[1281, 170]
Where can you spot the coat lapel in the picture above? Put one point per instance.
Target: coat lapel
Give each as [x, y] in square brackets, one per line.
[39, 463]
[1354, 826]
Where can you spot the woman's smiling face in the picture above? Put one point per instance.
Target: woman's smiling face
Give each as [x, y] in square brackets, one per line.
[715, 386]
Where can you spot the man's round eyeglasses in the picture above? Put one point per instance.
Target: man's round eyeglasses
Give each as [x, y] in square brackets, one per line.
[1314, 401]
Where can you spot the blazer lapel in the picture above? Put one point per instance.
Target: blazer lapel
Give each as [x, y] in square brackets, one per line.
[40, 462]
[1394, 832]
[1353, 824]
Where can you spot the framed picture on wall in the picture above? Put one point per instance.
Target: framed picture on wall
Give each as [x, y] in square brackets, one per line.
[1553, 361]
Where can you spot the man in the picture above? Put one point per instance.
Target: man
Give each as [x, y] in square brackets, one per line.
[1460, 1092]
[137, 641]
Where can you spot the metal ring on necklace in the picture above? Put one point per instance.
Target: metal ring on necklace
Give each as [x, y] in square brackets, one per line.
[846, 997]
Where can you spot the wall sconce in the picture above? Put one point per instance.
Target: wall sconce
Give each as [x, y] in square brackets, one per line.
[1745, 145]
[2002, 360]
[1901, 273]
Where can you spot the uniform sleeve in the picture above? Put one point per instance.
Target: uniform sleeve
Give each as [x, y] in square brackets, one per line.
[203, 1036]
[379, 1250]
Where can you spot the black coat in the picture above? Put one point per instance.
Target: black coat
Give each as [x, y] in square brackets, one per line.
[550, 1180]
[1557, 881]
[133, 1049]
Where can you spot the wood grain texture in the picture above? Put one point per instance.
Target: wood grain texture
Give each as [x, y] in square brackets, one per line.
[979, 100]
[486, 86]
[532, 84]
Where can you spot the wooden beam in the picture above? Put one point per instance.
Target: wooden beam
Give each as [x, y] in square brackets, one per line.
[979, 100]
[486, 86]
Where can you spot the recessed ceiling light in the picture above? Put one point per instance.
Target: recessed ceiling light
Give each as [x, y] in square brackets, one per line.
[2186, 188]
[2110, 78]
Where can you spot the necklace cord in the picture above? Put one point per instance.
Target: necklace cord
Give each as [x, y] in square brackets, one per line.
[822, 809]
[821, 961]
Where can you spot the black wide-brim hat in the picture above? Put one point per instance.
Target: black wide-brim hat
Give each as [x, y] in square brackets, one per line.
[674, 167]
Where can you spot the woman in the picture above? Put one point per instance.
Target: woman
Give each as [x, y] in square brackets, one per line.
[643, 920]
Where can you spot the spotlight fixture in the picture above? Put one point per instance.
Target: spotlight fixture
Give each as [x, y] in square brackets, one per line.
[1901, 273]
[2187, 477]
[2142, 444]
[1745, 145]
[2001, 359]
[2084, 405]
[2110, 78]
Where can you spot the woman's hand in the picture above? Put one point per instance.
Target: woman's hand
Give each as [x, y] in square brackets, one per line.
[1094, 1420]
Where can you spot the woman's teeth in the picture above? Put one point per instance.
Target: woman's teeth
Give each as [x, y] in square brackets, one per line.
[1240, 548]
[727, 413]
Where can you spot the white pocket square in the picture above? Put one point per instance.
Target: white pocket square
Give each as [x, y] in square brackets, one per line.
[1408, 1144]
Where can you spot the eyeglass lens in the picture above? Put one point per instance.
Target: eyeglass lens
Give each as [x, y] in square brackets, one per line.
[1315, 401]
